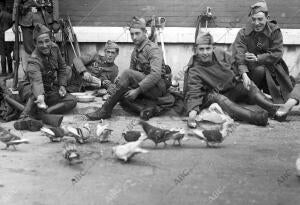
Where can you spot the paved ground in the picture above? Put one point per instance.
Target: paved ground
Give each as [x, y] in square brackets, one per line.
[255, 165]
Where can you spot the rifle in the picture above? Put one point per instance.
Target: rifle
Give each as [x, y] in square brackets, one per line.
[16, 47]
[64, 38]
[74, 37]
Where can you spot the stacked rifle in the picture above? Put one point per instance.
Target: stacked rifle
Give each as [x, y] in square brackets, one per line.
[68, 36]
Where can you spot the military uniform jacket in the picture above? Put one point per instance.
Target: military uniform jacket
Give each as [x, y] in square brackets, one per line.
[200, 79]
[97, 66]
[30, 13]
[268, 47]
[147, 58]
[42, 71]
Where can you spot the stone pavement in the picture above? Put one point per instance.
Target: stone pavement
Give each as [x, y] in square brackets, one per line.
[254, 165]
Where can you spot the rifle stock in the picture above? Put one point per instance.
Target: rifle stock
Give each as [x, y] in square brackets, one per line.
[16, 47]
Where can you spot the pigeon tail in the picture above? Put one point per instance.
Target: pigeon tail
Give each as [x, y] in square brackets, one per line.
[141, 150]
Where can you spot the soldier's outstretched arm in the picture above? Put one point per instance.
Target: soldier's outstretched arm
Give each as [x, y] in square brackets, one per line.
[80, 62]
[35, 78]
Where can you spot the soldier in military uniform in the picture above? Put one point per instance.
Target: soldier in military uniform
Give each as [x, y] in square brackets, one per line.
[210, 79]
[46, 77]
[94, 70]
[33, 12]
[258, 50]
[143, 78]
[5, 47]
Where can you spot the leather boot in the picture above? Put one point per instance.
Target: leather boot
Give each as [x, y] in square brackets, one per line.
[51, 119]
[238, 112]
[105, 111]
[131, 106]
[57, 108]
[262, 101]
[145, 112]
[27, 109]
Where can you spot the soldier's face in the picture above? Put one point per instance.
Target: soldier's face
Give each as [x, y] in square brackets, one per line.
[204, 52]
[259, 21]
[43, 43]
[137, 35]
[110, 55]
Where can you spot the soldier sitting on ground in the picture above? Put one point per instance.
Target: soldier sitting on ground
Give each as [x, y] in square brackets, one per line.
[258, 51]
[210, 79]
[46, 79]
[94, 70]
[143, 79]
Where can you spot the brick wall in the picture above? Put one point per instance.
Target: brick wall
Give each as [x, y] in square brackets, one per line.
[179, 13]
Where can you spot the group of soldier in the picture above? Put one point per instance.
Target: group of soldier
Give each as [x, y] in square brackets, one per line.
[254, 68]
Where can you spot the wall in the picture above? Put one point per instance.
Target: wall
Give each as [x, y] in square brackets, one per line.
[178, 55]
[179, 13]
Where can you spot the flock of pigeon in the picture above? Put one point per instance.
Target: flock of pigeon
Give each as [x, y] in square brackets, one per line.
[134, 139]
[123, 152]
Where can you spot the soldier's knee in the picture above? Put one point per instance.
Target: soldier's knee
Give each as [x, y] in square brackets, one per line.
[70, 101]
[259, 71]
[128, 73]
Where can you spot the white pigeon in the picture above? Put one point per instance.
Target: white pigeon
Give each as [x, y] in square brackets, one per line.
[126, 151]
[55, 134]
[102, 132]
[298, 166]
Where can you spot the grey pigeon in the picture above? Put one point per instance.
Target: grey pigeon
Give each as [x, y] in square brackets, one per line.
[157, 135]
[10, 139]
[70, 153]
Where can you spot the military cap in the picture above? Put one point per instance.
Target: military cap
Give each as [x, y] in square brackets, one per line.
[260, 6]
[111, 45]
[204, 38]
[137, 22]
[39, 29]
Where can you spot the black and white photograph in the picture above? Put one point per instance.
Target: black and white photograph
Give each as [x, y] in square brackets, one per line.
[149, 102]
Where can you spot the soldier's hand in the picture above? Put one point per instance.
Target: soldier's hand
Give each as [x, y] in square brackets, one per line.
[87, 76]
[250, 57]
[131, 95]
[246, 81]
[62, 91]
[40, 102]
[192, 119]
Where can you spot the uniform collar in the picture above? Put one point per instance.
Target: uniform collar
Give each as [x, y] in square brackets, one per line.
[104, 62]
[142, 45]
[267, 30]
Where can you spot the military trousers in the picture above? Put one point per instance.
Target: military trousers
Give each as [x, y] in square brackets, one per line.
[131, 78]
[52, 98]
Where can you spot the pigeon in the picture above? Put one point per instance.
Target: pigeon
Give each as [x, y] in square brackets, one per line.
[157, 135]
[213, 137]
[55, 134]
[131, 135]
[177, 136]
[126, 151]
[298, 166]
[10, 139]
[70, 153]
[103, 132]
[80, 134]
